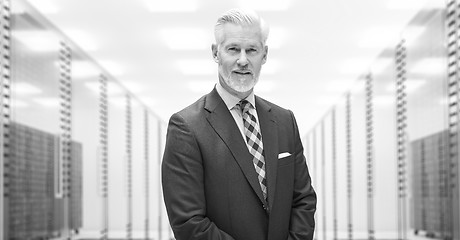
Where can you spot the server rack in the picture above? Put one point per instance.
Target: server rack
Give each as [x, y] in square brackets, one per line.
[34, 212]
[430, 161]
[30, 209]
[76, 187]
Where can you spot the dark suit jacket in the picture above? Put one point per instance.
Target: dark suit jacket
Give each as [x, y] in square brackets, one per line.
[210, 185]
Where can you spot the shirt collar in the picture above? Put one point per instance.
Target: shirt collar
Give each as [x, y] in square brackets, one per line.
[230, 100]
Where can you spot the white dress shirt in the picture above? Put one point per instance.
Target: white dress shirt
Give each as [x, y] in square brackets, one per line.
[231, 103]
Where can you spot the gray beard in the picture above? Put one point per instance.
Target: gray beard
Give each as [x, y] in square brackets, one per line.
[239, 86]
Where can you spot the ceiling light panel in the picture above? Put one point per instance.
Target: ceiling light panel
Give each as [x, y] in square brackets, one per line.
[17, 9]
[266, 5]
[381, 64]
[112, 88]
[379, 37]
[39, 41]
[197, 66]
[405, 4]
[82, 39]
[25, 89]
[132, 86]
[48, 102]
[384, 101]
[411, 85]
[186, 38]
[414, 85]
[354, 66]
[45, 6]
[118, 102]
[172, 5]
[83, 69]
[148, 101]
[412, 33]
[112, 67]
[430, 66]
[16, 103]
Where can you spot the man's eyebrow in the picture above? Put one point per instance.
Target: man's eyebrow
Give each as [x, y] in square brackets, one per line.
[250, 45]
[232, 45]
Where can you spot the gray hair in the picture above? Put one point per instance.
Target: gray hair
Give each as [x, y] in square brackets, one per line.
[240, 17]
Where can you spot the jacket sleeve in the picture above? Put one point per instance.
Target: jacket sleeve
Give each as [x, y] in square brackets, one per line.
[302, 222]
[183, 186]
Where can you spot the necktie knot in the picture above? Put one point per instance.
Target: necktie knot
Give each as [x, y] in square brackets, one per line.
[244, 105]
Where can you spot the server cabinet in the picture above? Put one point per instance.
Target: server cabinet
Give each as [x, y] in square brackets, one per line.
[34, 212]
[430, 168]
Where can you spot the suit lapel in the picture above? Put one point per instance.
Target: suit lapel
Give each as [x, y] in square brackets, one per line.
[269, 129]
[222, 122]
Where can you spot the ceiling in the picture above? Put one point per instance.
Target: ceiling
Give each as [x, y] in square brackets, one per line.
[162, 54]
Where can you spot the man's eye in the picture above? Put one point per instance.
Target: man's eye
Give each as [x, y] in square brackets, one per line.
[252, 50]
[232, 49]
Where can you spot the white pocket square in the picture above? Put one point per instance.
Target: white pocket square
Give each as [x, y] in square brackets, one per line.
[283, 155]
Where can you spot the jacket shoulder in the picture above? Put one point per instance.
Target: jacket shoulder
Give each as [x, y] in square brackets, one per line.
[276, 109]
[193, 111]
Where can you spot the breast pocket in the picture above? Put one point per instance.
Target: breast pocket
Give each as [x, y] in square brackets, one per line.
[286, 161]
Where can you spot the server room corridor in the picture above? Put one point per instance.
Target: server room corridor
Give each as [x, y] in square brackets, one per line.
[88, 88]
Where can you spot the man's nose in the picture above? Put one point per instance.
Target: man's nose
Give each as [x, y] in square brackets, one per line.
[242, 60]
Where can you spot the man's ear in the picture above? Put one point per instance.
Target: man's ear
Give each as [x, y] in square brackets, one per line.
[214, 53]
[264, 58]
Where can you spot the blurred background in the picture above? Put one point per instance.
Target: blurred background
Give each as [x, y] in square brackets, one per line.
[88, 88]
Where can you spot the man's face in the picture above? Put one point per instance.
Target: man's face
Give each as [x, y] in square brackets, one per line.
[240, 57]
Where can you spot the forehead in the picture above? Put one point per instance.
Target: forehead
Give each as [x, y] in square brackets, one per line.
[237, 34]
